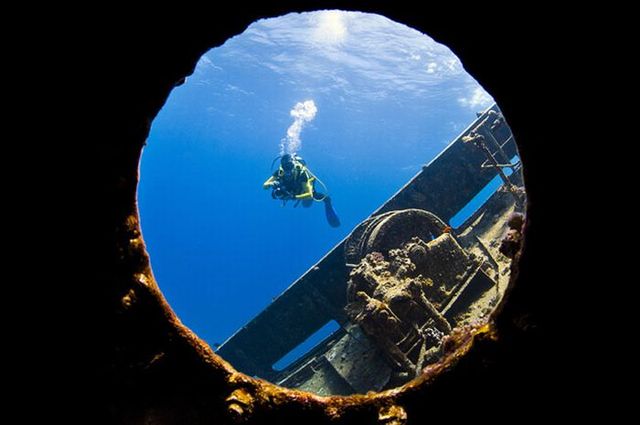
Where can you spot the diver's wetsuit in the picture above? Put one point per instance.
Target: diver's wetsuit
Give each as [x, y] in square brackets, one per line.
[297, 183]
[294, 181]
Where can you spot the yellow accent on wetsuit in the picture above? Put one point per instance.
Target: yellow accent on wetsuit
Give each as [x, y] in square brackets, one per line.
[270, 182]
[309, 189]
[299, 171]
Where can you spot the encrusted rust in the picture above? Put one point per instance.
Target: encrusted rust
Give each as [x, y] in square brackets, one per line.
[392, 415]
[129, 298]
[395, 300]
[512, 241]
[240, 404]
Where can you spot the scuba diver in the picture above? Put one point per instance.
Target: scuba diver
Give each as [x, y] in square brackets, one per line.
[294, 182]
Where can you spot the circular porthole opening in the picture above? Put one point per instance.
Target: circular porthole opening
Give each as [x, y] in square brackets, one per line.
[327, 198]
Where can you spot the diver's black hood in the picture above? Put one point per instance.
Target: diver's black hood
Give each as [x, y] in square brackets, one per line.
[286, 162]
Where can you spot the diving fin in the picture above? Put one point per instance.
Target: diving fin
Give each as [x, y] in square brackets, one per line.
[330, 213]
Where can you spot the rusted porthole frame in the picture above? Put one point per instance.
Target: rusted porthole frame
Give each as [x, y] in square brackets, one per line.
[170, 346]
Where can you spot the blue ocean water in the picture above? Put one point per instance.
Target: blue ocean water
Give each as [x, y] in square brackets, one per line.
[388, 100]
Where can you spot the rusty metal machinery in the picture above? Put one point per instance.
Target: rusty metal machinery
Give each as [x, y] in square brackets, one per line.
[380, 232]
[407, 288]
